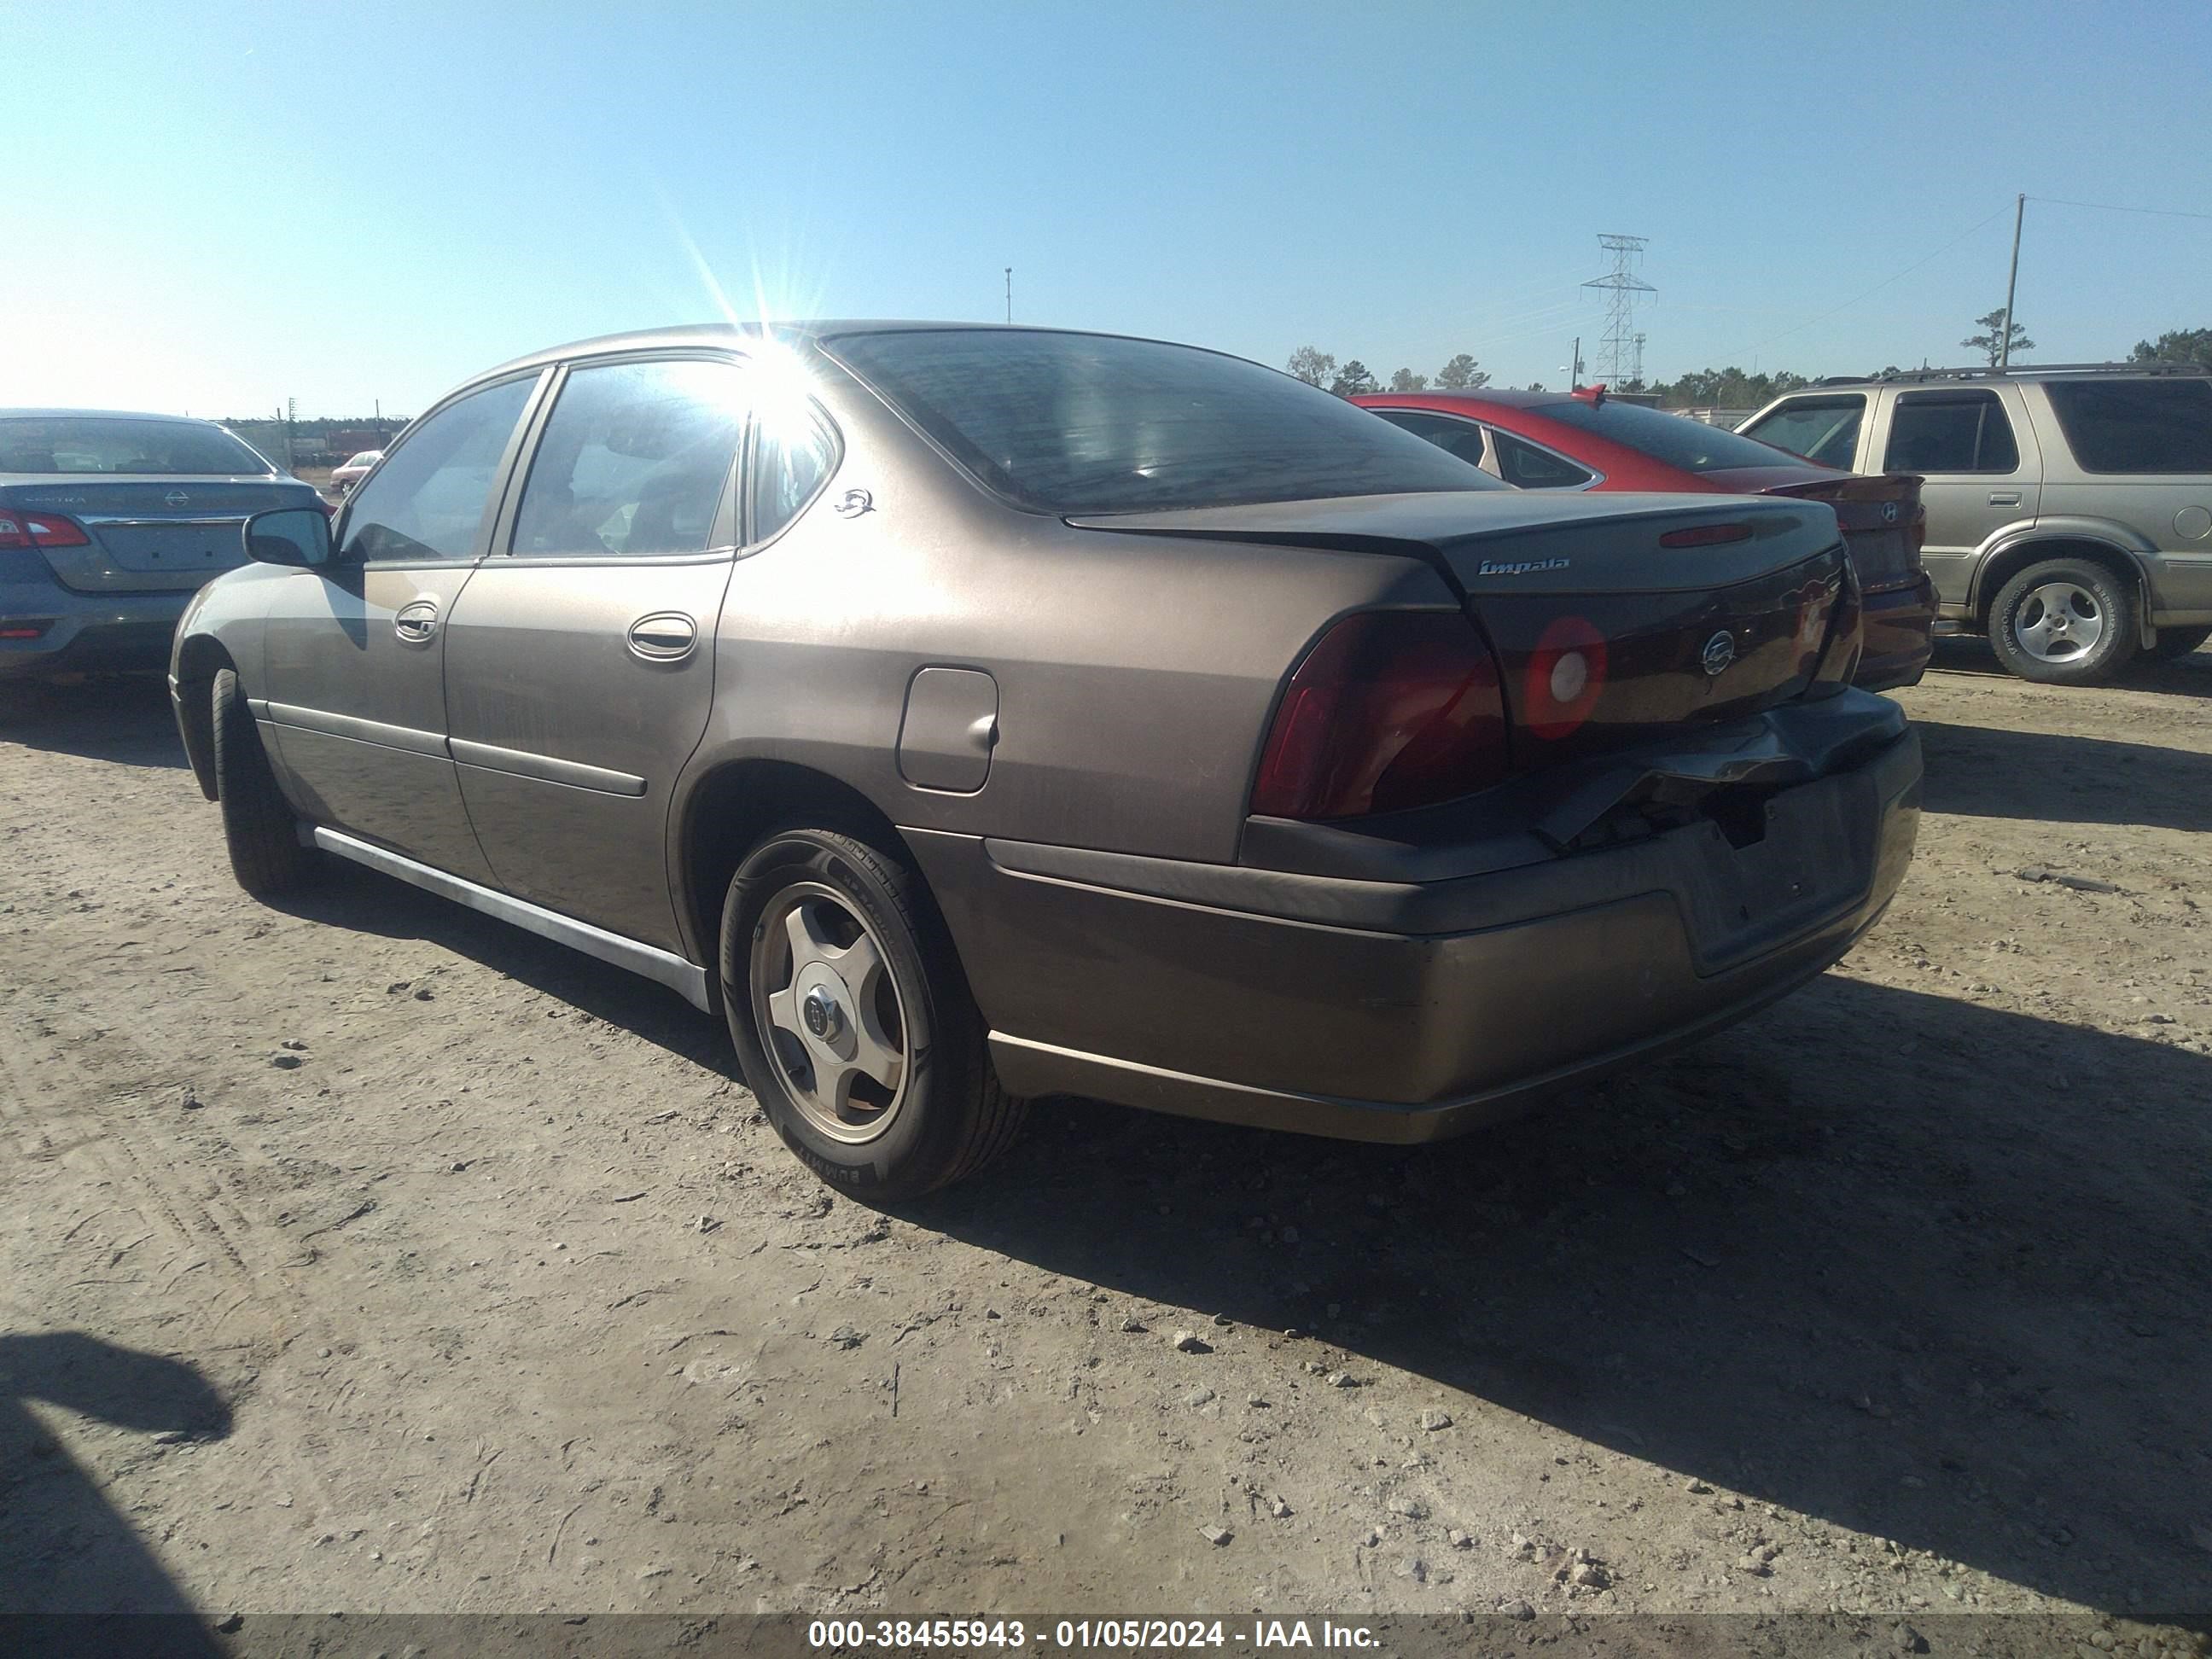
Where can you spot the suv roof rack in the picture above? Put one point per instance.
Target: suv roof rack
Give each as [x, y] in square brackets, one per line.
[2024, 371]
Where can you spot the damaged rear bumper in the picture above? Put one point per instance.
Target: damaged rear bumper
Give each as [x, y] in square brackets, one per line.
[1406, 985]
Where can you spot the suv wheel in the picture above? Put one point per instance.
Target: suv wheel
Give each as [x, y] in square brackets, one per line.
[257, 824]
[852, 1021]
[2175, 643]
[2064, 622]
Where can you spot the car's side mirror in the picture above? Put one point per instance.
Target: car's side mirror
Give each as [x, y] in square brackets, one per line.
[289, 535]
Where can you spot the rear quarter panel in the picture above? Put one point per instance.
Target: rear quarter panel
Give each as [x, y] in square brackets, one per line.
[1135, 675]
[2147, 513]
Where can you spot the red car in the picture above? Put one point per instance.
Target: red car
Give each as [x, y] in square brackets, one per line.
[1584, 439]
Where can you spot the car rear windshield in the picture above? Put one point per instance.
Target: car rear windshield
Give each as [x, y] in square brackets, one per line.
[1674, 439]
[1076, 423]
[2136, 426]
[98, 443]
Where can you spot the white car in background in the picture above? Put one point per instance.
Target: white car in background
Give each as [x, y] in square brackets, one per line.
[343, 478]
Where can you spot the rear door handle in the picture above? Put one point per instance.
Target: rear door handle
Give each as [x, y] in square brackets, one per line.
[416, 622]
[664, 637]
[2004, 498]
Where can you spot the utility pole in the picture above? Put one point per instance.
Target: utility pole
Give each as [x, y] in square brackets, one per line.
[1010, 294]
[1575, 372]
[2012, 282]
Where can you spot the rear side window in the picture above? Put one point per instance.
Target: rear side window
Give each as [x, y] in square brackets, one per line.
[634, 461]
[426, 502]
[793, 454]
[2136, 426]
[1081, 424]
[1460, 438]
[1527, 467]
[78, 443]
[1823, 429]
[1951, 432]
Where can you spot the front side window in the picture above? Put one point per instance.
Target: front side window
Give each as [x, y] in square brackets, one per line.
[1525, 466]
[634, 461]
[428, 500]
[1082, 424]
[101, 443]
[1823, 429]
[1950, 432]
[2136, 426]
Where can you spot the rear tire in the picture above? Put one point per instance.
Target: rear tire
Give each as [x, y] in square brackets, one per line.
[2175, 643]
[2064, 622]
[257, 822]
[821, 906]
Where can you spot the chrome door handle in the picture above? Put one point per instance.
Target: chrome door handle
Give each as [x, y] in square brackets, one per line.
[415, 623]
[664, 637]
[2004, 498]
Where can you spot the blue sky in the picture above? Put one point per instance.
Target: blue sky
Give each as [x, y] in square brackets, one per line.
[214, 209]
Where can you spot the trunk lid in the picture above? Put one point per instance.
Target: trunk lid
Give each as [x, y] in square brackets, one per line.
[151, 535]
[1608, 628]
[1880, 514]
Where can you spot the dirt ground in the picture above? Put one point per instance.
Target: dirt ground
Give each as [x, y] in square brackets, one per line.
[371, 1255]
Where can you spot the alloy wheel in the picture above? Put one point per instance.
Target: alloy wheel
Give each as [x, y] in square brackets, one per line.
[829, 1012]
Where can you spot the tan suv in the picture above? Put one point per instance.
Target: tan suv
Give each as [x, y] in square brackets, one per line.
[2069, 509]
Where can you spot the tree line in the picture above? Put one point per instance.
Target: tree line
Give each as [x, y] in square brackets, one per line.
[1715, 388]
[1460, 373]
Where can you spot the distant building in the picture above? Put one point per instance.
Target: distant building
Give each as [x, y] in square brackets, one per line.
[1730, 418]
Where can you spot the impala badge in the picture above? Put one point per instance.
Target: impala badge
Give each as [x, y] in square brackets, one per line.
[1719, 653]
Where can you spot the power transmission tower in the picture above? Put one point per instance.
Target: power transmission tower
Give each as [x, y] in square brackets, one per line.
[1637, 373]
[1622, 346]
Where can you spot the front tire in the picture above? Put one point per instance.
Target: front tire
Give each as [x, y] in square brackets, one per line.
[257, 824]
[2064, 622]
[852, 1020]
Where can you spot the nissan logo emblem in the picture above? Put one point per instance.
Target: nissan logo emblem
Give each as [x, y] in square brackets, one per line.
[177, 498]
[1719, 653]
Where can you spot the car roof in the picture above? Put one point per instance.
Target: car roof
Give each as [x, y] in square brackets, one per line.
[1984, 375]
[101, 415]
[808, 332]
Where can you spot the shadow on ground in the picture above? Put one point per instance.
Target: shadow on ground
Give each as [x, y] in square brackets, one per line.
[1918, 1268]
[1993, 771]
[2186, 676]
[126, 720]
[63, 1551]
[363, 901]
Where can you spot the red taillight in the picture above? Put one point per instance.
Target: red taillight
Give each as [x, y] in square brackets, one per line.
[1392, 709]
[1706, 535]
[20, 529]
[1565, 677]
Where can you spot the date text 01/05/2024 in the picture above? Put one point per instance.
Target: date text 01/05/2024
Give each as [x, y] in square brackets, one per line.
[1082, 1634]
